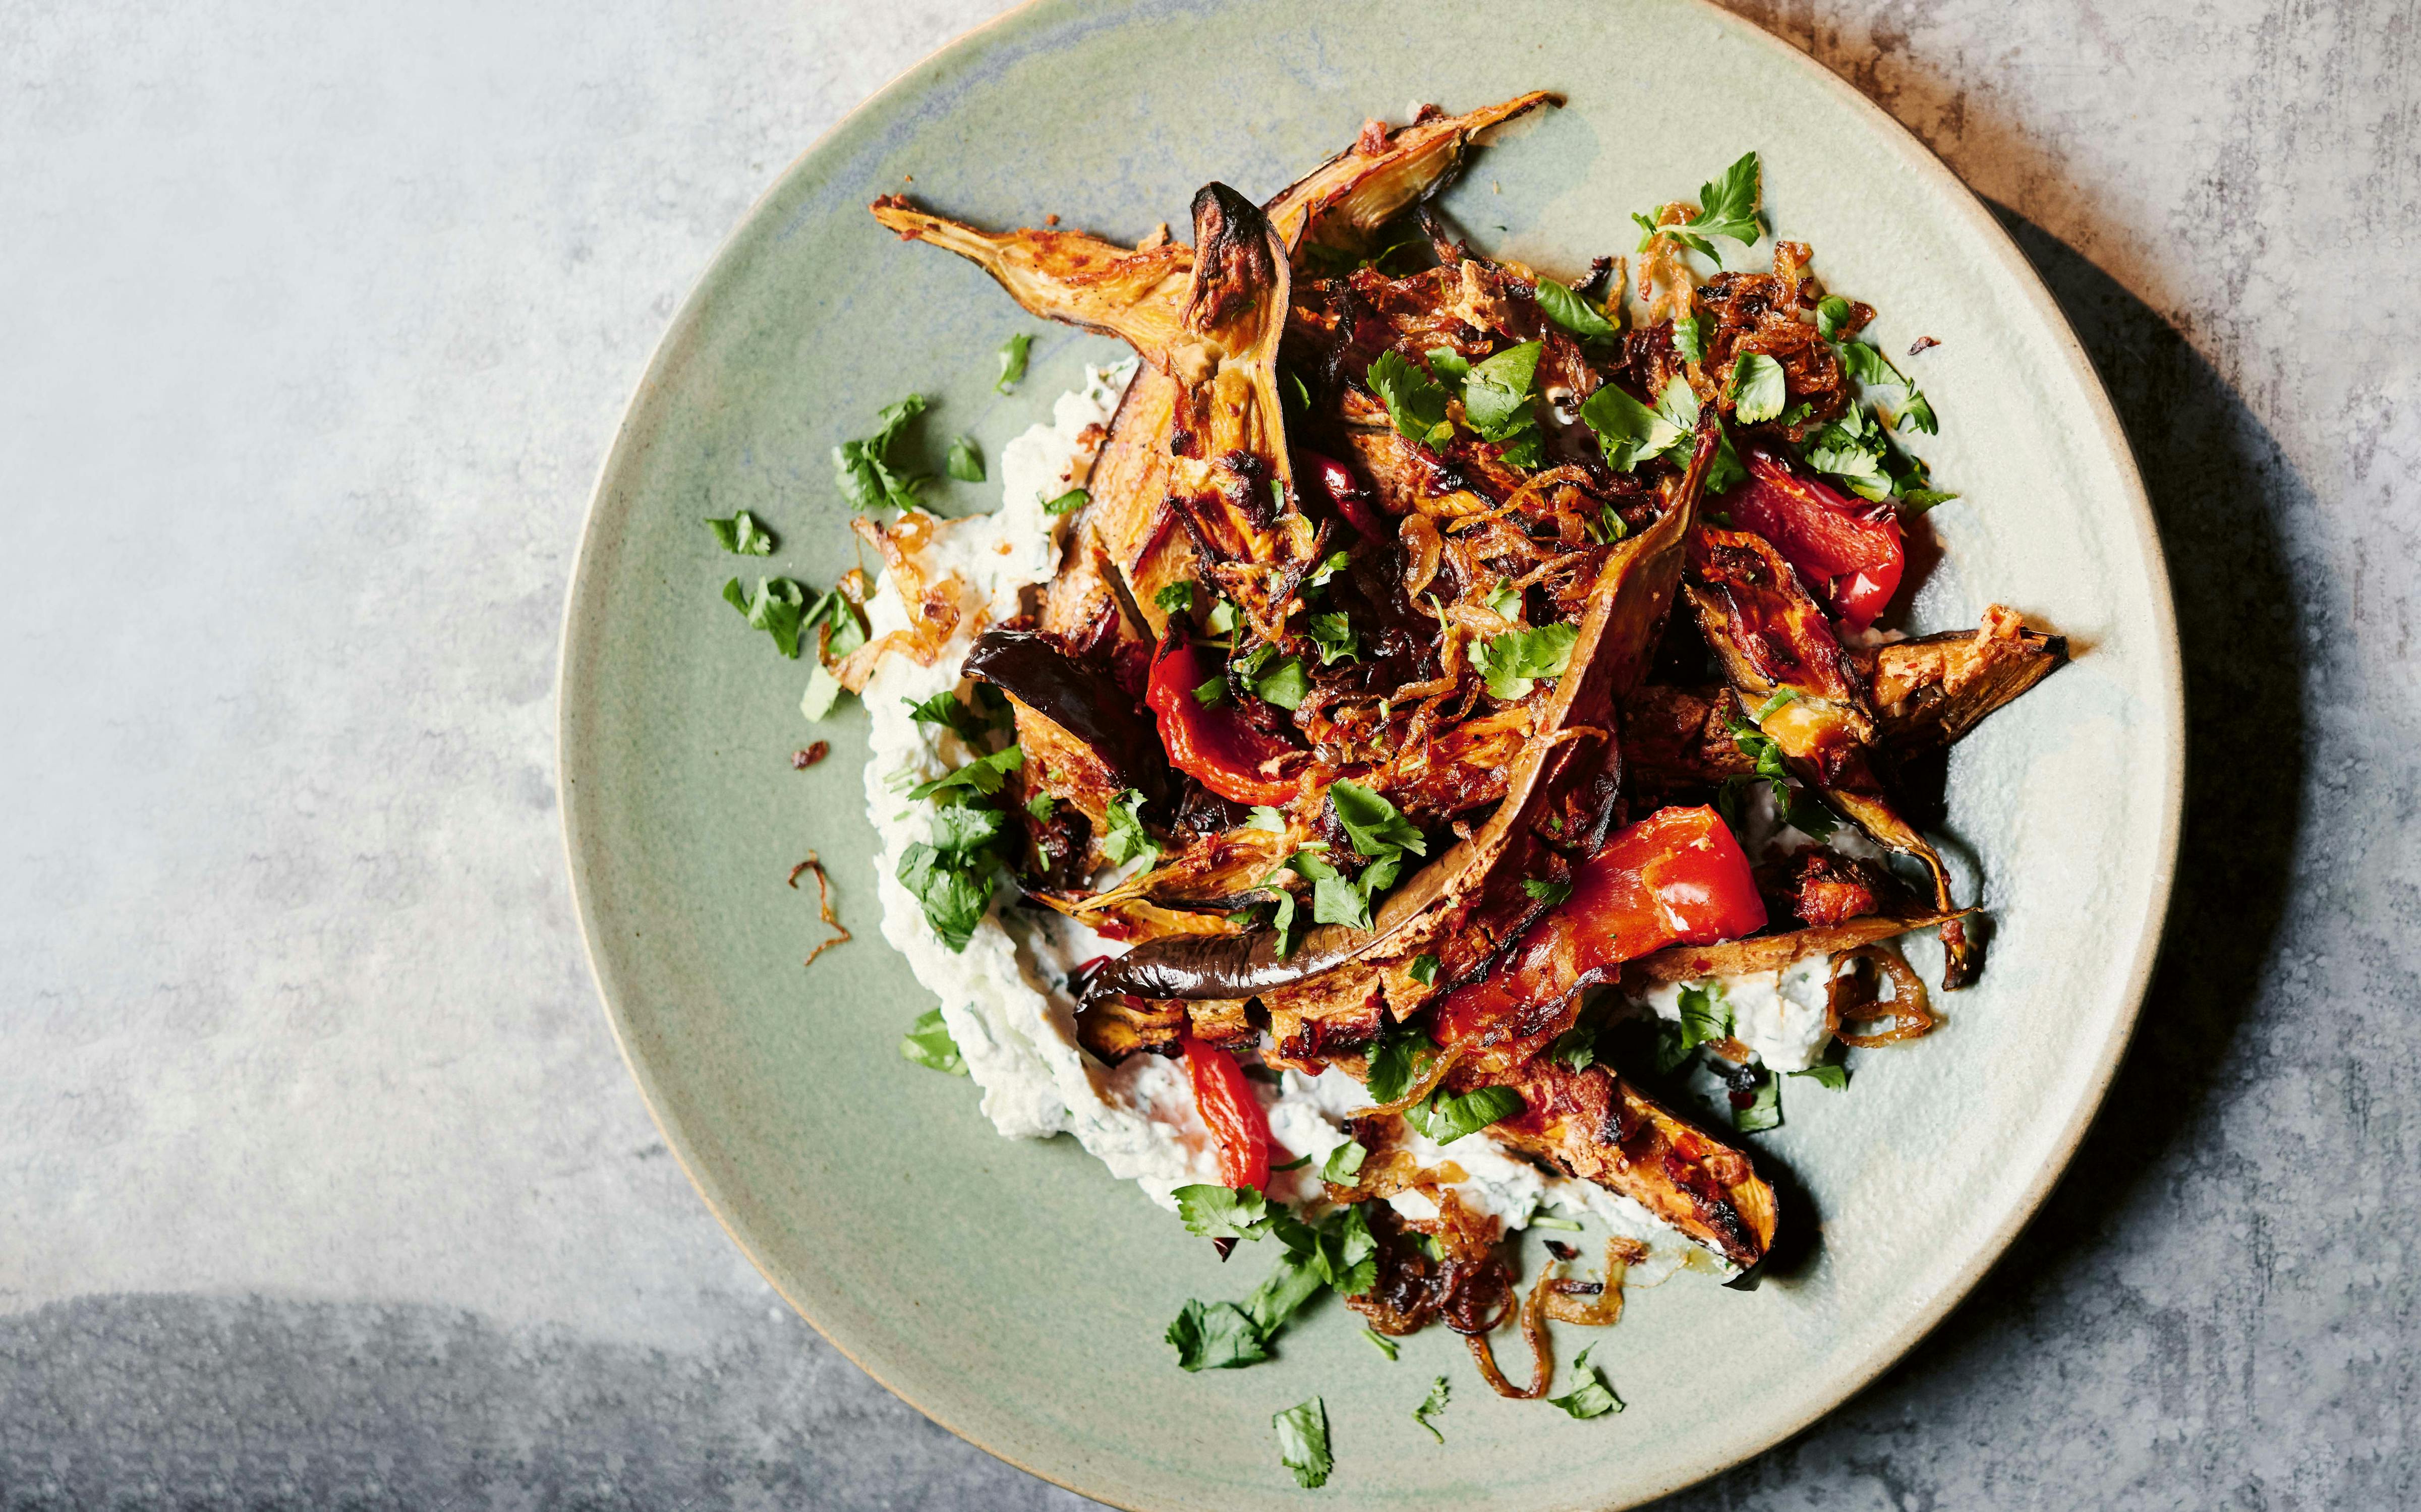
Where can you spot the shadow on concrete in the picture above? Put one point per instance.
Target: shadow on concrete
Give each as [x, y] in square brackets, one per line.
[2219, 486]
[195, 1403]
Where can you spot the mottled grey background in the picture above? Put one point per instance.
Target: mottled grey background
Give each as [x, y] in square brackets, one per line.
[322, 1184]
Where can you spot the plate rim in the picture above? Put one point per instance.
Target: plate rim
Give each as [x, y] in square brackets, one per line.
[2167, 662]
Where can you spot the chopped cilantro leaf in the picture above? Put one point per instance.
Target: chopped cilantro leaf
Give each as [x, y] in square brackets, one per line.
[1415, 400]
[1706, 1014]
[945, 709]
[1831, 1075]
[1374, 825]
[863, 469]
[742, 535]
[1266, 818]
[1591, 1397]
[1575, 1048]
[927, 1043]
[1758, 390]
[1573, 313]
[1424, 970]
[1209, 690]
[1690, 337]
[983, 775]
[1548, 890]
[1510, 662]
[1379, 1341]
[1765, 1112]
[965, 462]
[1292, 1282]
[1446, 1118]
[1217, 1336]
[1303, 1443]
[1396, 1062]
[1496, 394]
[1223, 1212]
[1727, 208]
[1012, 362]
[777, 609]
[1175, 597]
[1679, 405]
[823, 691]
[1300, 1161]
[1630, 431]
[1334, 634]
[1068, 503]
[1285, 684]
[1038, 807]
[1344, 1162]
[1125, 837]
[1447, 364]
[1433, 1405]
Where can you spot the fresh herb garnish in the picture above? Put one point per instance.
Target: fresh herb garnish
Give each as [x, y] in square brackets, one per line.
[1831, 1075]
[1424, 970]
[1300, 1161]
[982, 775]
[1037, 807]
[1573, 313]
[1124, 837]
[1415, 400]
[927, 1043]
[1447, 1119]
[1575, 1048]
[741, 536]
[1690, 337]
[1266, 818]
[1334, 634]
[1832, 314]
[1223, 1212]
[1396, 1062]
[1447, 364]
[1303, 1443]
[1548, 890]
[1344, 1163]
[944, 709]
[1012, 362]
[1175, 597]
[1758, 390]
[1285, 684]
[1432, 1406]
[1591, 1397]
[1379, 1341]
[1706, 1014]
[1766, 1111]
[1216, 1336]
[1629, 432]
[1336, 562]
[1512, 661]
[1679, 405]
[1068, 503]
[778, 608]
[1374, 825]
[1496, 394]
[965, 462]
[1727, 208]
[864, 469]
[1209, 690]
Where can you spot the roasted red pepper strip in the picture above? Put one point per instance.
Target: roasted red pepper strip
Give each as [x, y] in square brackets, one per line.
[1677, 877]
[1235, 1117]
[1848, 550]
[1211, 744]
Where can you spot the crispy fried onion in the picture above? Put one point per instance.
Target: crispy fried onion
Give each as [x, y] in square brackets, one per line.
[1850, 997]
[933, 607]
[1534, 1333]
[1464, 1282]
[1420, 537]
[823, 905]
[1595, 1304]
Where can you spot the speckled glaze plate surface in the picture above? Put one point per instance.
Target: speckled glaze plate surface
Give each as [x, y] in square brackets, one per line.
[1014, 1292]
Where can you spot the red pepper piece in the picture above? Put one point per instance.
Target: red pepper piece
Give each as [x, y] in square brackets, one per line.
[1344, 491]
[1677, 877]
[1237, 1122]
[1211, 744]
[1848, 550]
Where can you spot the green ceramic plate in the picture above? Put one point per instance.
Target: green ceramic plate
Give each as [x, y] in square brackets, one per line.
[1013, 1290]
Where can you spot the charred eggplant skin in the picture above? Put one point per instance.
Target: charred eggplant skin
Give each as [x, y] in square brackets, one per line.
[1087, 703]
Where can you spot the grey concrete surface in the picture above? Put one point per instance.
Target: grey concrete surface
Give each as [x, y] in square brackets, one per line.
[322, 1184]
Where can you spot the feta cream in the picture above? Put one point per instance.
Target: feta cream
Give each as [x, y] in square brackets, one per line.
[1004, 997]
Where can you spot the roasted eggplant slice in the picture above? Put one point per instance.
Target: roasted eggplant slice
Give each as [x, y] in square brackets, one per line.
[1342, 201]
[1930, 691]
[1794, 682]
[1133, 293]
[1596, 1126]
[1084, 703]
[1448, 909]
[1772, 952]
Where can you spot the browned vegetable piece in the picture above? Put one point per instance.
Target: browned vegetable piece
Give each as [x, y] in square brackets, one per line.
[1133, 293]
[1124, 1026]
[1371, 182]
[1082, 703]
[1770, 952]
[1447, 908]
[1931, 691]
[1593, 1125]
[1791, 677]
